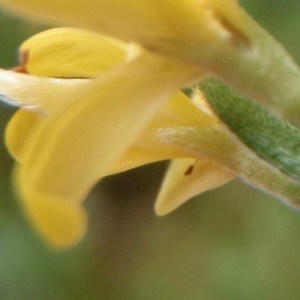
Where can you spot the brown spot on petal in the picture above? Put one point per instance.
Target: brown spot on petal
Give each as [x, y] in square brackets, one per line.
[189, 170]
[23, 57]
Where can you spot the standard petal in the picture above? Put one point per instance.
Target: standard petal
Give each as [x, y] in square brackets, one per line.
[153, 24]
[123, 19]
[76, 145]
[187, 178]
[70, 53]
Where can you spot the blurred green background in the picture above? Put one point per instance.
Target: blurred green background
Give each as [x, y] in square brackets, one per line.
[231, 243]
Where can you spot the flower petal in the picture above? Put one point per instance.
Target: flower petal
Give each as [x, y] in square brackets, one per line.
[18, 130]
[179, 111]
[62, 222]
[35, 93]
[150, 23]
[38, 97]
[70, 52]
[77, 143]
[123, 18]
[186, 178]
[60, 52]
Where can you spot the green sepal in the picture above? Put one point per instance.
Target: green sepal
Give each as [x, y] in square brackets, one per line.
[268, 135]
[267, 153]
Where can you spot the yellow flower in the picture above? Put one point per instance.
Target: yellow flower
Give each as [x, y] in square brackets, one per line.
[94, 106]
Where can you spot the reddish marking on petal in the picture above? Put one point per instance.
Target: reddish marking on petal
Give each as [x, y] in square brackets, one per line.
[23, 57]
[189, 170]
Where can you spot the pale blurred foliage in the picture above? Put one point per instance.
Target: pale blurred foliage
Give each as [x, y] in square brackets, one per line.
[232, 243]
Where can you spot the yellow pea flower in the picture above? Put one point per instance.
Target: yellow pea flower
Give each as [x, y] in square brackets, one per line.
[93, 105]
[107, 98]
[100, 106]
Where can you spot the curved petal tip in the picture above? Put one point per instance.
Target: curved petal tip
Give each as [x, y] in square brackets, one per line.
[61, 223]
[187, 178]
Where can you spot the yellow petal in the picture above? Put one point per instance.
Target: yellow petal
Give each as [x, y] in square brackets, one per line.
[60, 52]
[76, 144]
[179, 111]
[183, 127]
[18, 130]
[170, 24]
[62, 222]
[70, 52]
[36, 93]
[124, 18]
[187, 178]
[38, 97]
